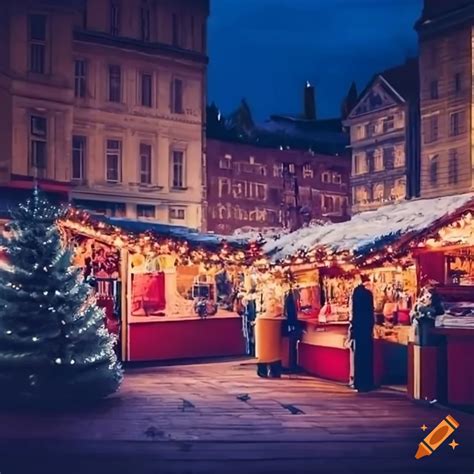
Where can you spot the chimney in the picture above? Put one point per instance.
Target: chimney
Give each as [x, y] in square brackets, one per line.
[309, 102]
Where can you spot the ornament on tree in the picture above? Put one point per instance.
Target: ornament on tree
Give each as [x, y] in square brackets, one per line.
[54, 348]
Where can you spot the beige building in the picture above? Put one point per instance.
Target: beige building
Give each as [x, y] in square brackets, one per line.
[446, 34]
[107, 95]
[384, 131]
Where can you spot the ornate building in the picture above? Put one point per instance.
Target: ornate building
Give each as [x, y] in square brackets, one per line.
[384, 131]
[446, 37]
[281, 173]
[107, 96]
[258, 187]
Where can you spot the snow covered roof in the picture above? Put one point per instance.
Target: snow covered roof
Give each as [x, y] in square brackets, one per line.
[192, 236]
[369, 230]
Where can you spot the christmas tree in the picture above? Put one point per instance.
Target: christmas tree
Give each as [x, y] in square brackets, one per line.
[54, 348]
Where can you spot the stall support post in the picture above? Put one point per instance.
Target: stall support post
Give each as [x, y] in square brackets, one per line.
[124, 277]
[423, 372]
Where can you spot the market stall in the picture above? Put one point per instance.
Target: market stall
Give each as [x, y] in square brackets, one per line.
[167, 291]
[445, 257]
[381, 244]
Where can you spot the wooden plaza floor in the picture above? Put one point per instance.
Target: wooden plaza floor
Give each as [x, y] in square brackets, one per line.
[219, 417]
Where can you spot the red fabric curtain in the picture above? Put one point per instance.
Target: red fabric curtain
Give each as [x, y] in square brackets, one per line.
[148, 294]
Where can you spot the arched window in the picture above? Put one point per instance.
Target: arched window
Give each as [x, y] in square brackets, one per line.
[379, 192]
[434, 170]
[400, 189]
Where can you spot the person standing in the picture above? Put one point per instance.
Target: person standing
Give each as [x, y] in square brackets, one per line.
[361, 335]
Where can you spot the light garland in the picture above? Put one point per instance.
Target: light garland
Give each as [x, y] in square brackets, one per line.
[152, 245]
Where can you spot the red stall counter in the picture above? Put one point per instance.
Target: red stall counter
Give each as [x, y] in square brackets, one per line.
[459, 354]
[161, 339]
[322, 351]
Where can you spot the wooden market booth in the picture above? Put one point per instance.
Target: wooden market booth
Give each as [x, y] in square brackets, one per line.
[395, 248]
[167, 290]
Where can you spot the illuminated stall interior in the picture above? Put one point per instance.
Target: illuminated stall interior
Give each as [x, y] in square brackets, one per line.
[168, 291]
[401, 248]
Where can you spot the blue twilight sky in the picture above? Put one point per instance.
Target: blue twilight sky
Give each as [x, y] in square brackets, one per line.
[265, 50]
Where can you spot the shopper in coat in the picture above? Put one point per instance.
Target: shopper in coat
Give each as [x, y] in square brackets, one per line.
[361, 333]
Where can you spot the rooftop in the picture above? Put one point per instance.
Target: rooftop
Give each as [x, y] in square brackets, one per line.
[371, 230]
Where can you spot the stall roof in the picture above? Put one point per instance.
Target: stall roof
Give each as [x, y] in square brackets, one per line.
[170, 231]
[371, 230]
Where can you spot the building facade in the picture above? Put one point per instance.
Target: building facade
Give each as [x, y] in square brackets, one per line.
[384, 136]
[446, 39]
[251, 186]
[107, 96]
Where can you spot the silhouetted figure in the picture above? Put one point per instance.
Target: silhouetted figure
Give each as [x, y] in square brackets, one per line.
[361, 332]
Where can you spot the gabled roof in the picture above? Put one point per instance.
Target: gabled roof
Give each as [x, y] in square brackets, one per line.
[404, 79]
[401, 81]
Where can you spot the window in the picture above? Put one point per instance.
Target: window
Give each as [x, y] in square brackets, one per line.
[278, 170]
[176, 32]
[308, 171]
[453, 167]
[114, 161]
[360, 163]
[224, 187]
[388, 158]
[389, 123]
[455, 127]
[226, 162]
[360, 132]
[434, 90]
[145, 22]
[257, 191]
[238, 189]
[326, 177]
[291, 168]
[399, 156]
[457, 83]
[223, 213]
[177, 213]
[399, 189]
[434, 170]
[379, 190]
[177, 96]
[145, 212]
[114, 17]
[370, 129]
[80, 78]
[361, 195]
[336, 178]
[115, 84]
[38, 143]
[178, 169]
[37, 40]
[328, 204]
[378, 159]
[431, 130]
[145, 163]
[78, 157]
[146, 89]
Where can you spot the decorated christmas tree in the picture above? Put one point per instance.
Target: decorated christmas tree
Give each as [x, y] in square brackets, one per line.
[54, 348]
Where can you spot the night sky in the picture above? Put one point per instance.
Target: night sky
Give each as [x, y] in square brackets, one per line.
[265, 50]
